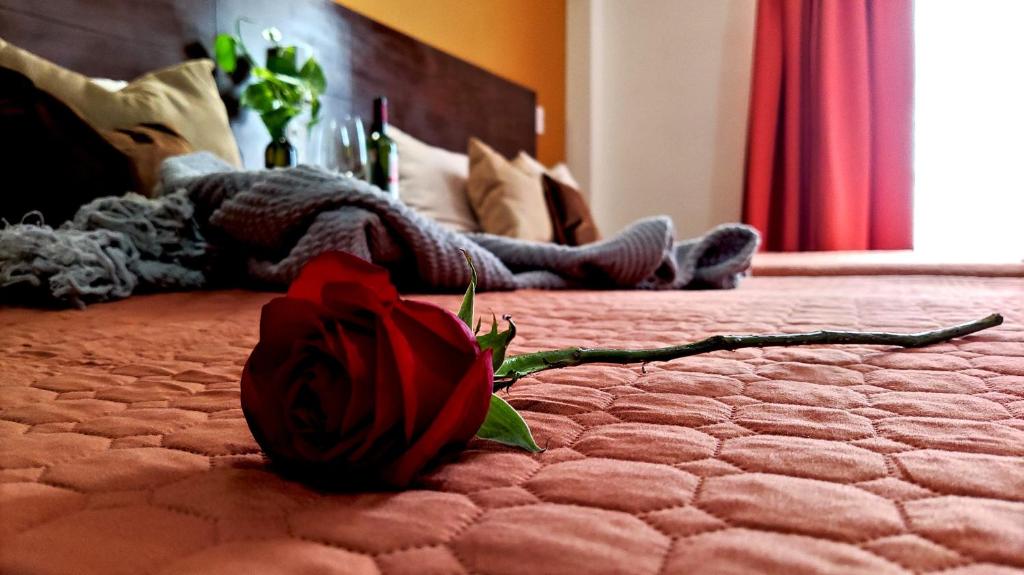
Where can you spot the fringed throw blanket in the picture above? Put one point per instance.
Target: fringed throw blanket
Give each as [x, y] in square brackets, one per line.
[216, 224]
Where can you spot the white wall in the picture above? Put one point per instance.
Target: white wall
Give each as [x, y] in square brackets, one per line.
[657, 94]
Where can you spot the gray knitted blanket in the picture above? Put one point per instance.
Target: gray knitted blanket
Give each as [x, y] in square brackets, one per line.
[271, 222]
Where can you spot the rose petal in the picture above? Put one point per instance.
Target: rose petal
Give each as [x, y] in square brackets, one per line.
[440, 321]
[456, 423]
[356, 303]
[394, 361]
[291, 331]
[316, 391]
[331, 267]
[360, 359]
[284, 321]
[285, 325]
[405, 372]
[262, 396]
[332, 388]
[443, 352]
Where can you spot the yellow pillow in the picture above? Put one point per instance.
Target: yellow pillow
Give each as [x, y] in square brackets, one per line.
[507, 201]
[183, 97]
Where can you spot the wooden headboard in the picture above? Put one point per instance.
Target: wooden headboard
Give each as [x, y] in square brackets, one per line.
[434, 96]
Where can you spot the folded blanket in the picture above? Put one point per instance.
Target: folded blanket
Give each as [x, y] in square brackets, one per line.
[274, 221]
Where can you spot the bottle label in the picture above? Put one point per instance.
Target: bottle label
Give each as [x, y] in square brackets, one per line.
[393, 172]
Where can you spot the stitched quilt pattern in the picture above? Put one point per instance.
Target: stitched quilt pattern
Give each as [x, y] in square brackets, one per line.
[123, 448]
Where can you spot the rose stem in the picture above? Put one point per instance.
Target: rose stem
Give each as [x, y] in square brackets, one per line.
[529, 363]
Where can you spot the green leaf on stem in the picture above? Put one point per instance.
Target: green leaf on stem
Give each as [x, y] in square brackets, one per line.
[264, 74]
[226, 52]
[314, 113]
[260, 97]
[282, 60]
[497, 341]
[277, 120]
[466, 309]
[504, 425]
[313, 74]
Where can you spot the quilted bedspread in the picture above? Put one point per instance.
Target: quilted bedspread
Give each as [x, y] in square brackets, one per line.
[123, 448]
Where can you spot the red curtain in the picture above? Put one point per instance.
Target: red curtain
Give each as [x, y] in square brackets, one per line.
[829, 158]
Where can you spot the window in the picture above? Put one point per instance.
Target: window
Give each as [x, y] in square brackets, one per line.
[969, 128]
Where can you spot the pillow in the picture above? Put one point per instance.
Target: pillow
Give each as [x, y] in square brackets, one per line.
[108, 84]
[52, 160]
[570, 217]
[433, 182]
[183, 97]
[147, 146]
[507, 201]
[531, 166]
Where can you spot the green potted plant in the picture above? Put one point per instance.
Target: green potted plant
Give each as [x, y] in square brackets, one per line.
[278, 91]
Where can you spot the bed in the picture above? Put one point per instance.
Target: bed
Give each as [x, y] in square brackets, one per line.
[123, 448]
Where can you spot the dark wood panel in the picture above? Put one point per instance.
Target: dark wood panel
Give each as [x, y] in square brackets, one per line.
[434, 96]
[118, 39]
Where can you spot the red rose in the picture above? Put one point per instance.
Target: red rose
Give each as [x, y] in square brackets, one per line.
[349, 377]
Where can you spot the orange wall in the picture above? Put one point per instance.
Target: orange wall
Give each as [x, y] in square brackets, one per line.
[522, 40]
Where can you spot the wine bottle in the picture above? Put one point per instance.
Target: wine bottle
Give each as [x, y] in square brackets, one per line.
[383, 151]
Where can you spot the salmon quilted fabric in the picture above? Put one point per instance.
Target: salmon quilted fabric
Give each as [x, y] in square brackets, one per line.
[123, 448]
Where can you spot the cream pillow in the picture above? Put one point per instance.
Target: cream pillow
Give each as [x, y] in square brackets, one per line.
[507, 201]
[530, 165]
[433, 182]
[183, 98]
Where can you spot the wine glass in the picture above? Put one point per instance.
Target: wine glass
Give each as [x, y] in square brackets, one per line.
[325, 149]
[353, 148]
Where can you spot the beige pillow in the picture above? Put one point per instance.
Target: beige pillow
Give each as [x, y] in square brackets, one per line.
[507, 201]
[183, 97]
[108, 84]
[530, 165]
[433, 182]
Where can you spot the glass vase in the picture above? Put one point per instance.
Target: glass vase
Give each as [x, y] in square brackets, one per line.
[280, 153]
